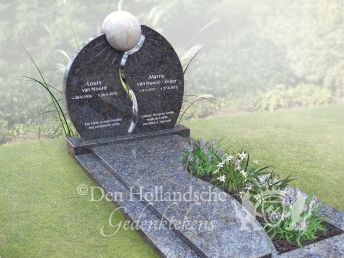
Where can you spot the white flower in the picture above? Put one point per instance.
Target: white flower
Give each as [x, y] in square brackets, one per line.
[241, 193]
[216, 171]
[238, 168]
[256, 162]
[263, 179]
[220, 165]
[222, 178]
[274, 215]
[237, 162]
[243, 173]
[258, 198]
[242, 155]
[228, 158]
[248, 187]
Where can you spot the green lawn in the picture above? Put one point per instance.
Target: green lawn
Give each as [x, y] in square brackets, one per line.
[306, 143]
[42, 215]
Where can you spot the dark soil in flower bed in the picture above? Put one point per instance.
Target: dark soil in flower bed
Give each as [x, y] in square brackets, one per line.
[283, 246]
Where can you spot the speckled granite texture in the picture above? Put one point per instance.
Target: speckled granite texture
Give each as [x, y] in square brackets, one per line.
[166, 242]
[149, 163]
[142, 165]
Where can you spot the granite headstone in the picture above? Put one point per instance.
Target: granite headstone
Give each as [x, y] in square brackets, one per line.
[111, 93]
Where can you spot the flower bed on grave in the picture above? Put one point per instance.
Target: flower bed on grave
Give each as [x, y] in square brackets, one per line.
[290, 218]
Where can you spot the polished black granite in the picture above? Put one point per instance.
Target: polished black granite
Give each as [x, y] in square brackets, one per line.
[97, 93]
[156, 76]
[76, 145]
[97, 104]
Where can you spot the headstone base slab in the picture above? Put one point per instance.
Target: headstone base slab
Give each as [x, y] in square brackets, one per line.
[153, 159]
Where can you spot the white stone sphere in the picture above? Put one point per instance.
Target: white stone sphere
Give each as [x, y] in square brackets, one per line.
[122, 30]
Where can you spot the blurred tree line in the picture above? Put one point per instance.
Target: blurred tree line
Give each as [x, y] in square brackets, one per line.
[250, 48]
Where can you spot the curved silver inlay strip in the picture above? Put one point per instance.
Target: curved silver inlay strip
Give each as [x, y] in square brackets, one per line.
[126, 87]
[135, 110]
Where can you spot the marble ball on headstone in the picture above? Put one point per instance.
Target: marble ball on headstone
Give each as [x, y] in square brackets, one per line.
[122, 30]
